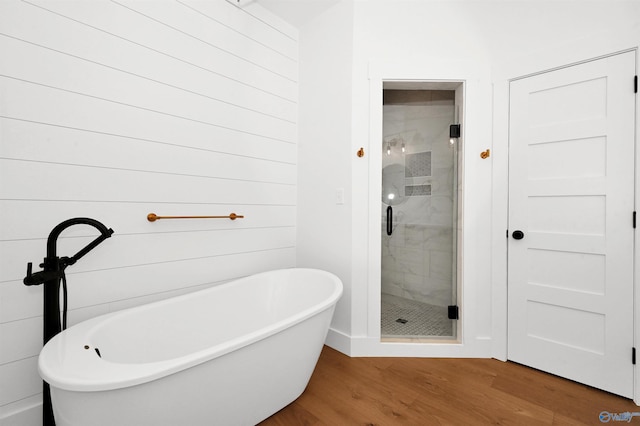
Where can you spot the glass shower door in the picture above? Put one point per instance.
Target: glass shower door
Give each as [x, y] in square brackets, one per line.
[419, 214]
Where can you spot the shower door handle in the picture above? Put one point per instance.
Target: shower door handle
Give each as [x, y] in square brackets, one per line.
[389, 220]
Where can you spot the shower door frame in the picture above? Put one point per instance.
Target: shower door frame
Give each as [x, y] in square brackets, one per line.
[458, 88]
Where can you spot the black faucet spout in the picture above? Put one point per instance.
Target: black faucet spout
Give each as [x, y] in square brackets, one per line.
[55, 233]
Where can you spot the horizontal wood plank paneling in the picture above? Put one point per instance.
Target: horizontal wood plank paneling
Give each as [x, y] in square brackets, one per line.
[15, 346]
[131, 218]
[204, 30]
[24, 101]
[41, 143]
[152, 99]
[133, 27]
[19, 380]
[116, 109]
[27, 411]
[121, 251]
[48, 30]
[45, 181]
[280, 39]
[131, 59]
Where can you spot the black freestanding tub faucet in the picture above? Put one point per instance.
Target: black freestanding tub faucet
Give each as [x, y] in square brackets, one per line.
[51, 275]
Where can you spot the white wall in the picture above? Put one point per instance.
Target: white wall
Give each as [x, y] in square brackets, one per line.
[115, 109]
[470, 37]
[324, 226]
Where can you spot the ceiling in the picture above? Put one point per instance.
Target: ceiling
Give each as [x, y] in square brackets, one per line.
[297, 12]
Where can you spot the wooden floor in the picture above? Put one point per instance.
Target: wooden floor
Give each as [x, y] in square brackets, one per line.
[427, 391]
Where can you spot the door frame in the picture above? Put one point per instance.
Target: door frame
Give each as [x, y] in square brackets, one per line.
[514, 68]
[365, 339]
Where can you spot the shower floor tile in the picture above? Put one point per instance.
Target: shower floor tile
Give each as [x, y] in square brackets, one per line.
[409, 318]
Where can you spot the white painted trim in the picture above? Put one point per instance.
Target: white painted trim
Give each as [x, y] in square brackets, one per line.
[473, 340]
[562, 55]
[375, 175]
[371, 346]
[499, 217]
[636, 269]
[338, 341]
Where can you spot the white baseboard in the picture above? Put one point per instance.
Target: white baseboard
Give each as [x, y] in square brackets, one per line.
[339, 341]
[370, 346]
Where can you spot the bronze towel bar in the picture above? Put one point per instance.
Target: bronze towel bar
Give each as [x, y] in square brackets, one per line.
[152, 217]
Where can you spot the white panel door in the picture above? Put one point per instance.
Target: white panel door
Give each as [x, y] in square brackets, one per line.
[571, 194]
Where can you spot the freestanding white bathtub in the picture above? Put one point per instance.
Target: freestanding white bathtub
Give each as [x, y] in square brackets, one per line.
[229, 355]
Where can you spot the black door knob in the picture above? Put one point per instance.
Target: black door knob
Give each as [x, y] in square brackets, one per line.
[517, 235]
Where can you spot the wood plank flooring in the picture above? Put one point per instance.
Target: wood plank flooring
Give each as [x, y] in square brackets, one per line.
[428, 391]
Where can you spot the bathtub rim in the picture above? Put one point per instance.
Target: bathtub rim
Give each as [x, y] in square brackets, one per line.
[84, 371]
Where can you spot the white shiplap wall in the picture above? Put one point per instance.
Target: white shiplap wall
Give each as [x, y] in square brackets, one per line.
[114, 109]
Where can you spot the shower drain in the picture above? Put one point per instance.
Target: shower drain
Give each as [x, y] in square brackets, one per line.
[402, 320]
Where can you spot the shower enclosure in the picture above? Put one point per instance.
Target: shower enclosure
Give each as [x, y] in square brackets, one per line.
[420, 210]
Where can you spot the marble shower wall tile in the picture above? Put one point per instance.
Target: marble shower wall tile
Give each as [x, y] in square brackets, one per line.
[418, 258]
[419, 265]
